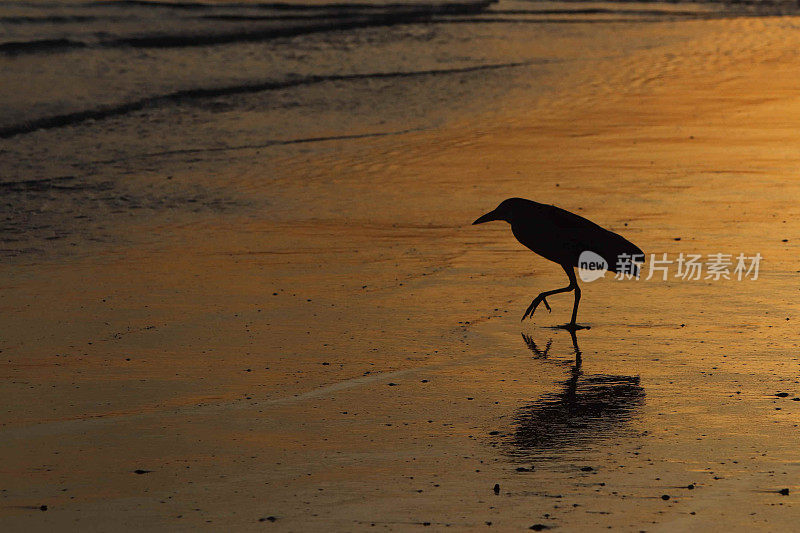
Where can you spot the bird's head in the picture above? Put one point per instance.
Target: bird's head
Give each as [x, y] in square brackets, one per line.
[504, 211]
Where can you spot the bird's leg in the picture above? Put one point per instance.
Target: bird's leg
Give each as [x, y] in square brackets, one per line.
[541, 298]
[575, 307]
[573, 286]
[573, 325]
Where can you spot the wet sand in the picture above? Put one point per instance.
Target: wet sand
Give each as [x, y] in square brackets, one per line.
[349, 355]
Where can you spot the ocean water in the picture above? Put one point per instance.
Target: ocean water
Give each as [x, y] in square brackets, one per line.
[64, 63]
[98, 98]
[102, 102]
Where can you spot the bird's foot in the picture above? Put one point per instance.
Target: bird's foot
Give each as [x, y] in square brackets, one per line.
[572, 327]
[534, 304]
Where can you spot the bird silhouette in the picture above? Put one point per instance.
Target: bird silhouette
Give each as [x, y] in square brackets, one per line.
[562, 237]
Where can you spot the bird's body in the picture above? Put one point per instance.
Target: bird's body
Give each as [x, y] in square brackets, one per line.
[562, 237]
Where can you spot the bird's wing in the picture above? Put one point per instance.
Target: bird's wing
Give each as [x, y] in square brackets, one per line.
[579, 234]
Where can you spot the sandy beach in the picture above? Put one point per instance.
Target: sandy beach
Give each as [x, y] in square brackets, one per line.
[268, 310]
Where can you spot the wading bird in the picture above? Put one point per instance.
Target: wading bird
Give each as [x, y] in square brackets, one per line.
[562, 237]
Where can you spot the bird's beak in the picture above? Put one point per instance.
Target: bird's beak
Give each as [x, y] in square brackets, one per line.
[491, 215]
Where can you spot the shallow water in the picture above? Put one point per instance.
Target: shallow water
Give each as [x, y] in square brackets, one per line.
[119, 114]
[273, 301]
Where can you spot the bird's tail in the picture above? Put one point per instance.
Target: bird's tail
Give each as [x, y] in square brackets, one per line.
[624, 257]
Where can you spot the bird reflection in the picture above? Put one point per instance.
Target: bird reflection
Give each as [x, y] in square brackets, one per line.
[542, 354]
[587, 408]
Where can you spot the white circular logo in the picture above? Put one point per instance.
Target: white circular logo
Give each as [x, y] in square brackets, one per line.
[591, 266]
